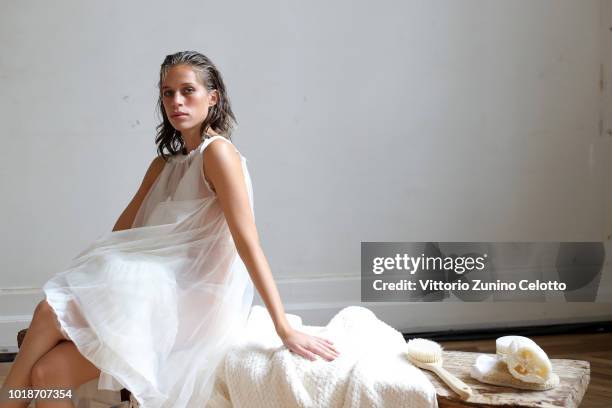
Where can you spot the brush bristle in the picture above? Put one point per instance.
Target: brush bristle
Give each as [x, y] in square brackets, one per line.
[424, 350]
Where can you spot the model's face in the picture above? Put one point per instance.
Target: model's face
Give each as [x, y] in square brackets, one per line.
[183, 93]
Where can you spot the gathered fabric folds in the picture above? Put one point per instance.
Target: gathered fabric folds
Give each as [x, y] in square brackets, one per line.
[157, 306]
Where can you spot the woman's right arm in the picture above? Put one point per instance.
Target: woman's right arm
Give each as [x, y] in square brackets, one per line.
[126, 219]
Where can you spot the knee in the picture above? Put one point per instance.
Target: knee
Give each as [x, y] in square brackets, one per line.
[45, 316]
[43, 309]
[49, 371]
[41, 374]
[44, 312]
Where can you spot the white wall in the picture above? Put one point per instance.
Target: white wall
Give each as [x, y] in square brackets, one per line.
[404, 121]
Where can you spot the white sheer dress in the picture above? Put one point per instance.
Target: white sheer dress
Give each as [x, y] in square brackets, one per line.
[155, 307]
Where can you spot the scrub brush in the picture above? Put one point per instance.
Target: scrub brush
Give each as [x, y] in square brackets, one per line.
[427, 355]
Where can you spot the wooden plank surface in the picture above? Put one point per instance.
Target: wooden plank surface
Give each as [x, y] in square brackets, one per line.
[574, 378]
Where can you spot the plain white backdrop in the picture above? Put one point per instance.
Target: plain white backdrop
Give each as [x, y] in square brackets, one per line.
[412, 120]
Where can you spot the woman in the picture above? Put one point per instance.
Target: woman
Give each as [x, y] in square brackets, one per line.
[153, 305]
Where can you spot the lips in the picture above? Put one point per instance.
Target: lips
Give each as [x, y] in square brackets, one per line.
[177, 114]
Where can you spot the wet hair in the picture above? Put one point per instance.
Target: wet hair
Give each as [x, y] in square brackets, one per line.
[220, 117]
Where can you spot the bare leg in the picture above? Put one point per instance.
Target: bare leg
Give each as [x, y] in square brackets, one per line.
[63, 367]
[42, 335]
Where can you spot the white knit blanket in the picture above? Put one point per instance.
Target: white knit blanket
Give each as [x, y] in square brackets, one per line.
[371, 371]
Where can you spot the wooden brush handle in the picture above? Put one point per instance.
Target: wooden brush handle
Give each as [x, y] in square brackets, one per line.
[456, 384]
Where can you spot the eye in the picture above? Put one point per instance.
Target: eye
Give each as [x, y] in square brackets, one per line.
[166, 93]
[190, 89]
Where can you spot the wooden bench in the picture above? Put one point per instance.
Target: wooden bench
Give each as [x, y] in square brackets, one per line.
[574, 378]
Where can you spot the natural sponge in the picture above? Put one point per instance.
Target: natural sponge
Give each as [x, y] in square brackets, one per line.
[527, 361]
[502, 344]
[493, 370]
[519, 363]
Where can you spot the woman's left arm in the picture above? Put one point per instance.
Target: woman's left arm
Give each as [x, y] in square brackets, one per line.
[223, 170]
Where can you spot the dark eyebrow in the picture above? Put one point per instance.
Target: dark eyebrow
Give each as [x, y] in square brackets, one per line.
[184, 83]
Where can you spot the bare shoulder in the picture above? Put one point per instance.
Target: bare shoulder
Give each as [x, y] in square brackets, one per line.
[158, 162]
[156, 166]
[221, 163]
[220, 153]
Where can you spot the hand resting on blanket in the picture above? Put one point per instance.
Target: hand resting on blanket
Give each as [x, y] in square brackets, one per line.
[309, 346]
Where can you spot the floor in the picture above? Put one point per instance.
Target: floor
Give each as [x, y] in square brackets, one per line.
[595, 348]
